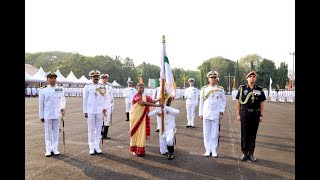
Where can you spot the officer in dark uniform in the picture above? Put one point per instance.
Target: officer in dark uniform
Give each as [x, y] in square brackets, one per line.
[250, 109]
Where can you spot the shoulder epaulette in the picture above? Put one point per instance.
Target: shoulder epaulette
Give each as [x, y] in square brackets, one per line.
[43, 87]
[88, 83]
[204, 86]
[220, 87]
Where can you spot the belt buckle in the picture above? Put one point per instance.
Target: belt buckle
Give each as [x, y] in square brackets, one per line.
[250, 110]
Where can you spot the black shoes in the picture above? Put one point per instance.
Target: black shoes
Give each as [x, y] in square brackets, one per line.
[127, 116]
[157, 130]
[244, 157]
[252, 158]
[189, 126]
[170, 156]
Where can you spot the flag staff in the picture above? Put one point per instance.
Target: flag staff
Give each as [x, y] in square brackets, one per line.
[162, 91]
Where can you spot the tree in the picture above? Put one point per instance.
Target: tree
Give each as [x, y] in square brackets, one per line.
[282, 74]
[148, 71]
[250, 62]
[237, 75]
[220, 64]
[267, 69]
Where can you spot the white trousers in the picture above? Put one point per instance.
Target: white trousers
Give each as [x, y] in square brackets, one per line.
[158, 122]
[108, 118]
[191, 108]
[165, 140]
[211, 134]
[51, 134]
[128, 106]
[94, 130]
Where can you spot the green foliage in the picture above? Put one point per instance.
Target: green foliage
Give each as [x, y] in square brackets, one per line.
[120, 70]
[148, 71]
[250, 62]
[282, 74]
[267, 69]
[225, 67]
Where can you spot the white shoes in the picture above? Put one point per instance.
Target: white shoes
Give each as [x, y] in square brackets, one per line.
[56, 153]
[48, 153]
[98, 150]
[214, 154]
[207, 154]
[91, 152]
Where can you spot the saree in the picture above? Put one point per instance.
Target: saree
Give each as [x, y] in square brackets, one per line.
[139, 124]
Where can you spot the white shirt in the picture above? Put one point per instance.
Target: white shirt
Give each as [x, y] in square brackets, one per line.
[129, 93]
[93, 101]
[215, 102]
[170, 114]
[191, 94]
[51, 101]
[110, 95]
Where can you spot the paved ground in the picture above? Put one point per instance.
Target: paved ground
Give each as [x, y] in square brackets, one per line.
[275, 148]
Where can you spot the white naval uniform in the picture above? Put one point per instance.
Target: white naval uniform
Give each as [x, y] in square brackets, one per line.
[93, 104]
[192, 97]
[34, 91]
[128, 94]
[234, 94]
[28, 91]
[166, 139]
[109, 104]
[156, 95]
[51, 101]
[210, 110]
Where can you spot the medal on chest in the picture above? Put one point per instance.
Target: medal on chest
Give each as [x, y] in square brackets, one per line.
[245, 92]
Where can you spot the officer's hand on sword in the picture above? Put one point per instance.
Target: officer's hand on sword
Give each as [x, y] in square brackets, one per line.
[63, 112]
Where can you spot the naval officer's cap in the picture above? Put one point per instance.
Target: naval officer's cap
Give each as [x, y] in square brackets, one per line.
[211, 74]
[191, 79]
[49, 74]
[94, 73]
[104, 76]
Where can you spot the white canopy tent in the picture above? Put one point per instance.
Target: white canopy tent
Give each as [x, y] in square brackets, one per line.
[72, 78]
[40, 75]
[115, 84]
[61, 79]
[29, 78]
[83, 79]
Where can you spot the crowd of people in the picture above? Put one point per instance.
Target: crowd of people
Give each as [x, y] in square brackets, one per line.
[98, 104]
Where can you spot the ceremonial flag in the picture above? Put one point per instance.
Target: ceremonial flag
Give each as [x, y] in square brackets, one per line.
[166, 73]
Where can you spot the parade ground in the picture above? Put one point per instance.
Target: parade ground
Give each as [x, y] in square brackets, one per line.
[275, 147]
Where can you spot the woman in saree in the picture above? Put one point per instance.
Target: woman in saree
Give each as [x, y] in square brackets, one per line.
[140, 121]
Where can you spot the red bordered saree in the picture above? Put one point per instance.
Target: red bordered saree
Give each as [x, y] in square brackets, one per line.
[139, 124]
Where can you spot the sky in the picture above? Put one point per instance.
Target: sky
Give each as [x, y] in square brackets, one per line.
[194, 30]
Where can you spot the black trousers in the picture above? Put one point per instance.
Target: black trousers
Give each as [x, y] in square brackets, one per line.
[249, 128]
